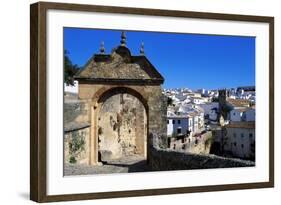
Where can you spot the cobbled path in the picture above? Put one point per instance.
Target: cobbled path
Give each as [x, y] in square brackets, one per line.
[124, 165]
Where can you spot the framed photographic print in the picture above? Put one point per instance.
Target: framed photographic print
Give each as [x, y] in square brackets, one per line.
[134, 102]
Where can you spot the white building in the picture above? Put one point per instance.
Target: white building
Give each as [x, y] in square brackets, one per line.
[198, 122]
[198, 100]
[186, 101]
[70, 88]
[203, 91]
[246, 114]
[207, 107]
[235, 115]
[194, 111]
[179, 125]
[240, 139]
[182, 124]
[249, 115]
[211, 109]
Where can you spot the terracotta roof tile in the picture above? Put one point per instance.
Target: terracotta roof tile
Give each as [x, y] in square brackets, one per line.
[239, 102]
[245, 125]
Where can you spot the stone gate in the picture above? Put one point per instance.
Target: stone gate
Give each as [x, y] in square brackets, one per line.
[125, 107]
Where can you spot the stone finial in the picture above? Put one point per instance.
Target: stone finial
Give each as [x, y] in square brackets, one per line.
[142, 49]
[123, 39]
[102, 49]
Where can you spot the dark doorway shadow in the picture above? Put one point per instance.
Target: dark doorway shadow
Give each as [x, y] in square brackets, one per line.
[140, 166]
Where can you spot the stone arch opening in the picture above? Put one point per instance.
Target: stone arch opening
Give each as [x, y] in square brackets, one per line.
[120, 125]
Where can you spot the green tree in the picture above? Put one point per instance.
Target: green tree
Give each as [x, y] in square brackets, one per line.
[169, 101]
[215, 99]
[69, 69]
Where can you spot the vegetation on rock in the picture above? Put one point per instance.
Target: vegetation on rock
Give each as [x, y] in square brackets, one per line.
[69, 69]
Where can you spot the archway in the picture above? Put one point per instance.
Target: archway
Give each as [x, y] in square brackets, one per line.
[119, 125]
[120, 72]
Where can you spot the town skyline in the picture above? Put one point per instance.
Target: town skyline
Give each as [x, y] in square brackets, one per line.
[199, 88]
[192, 61]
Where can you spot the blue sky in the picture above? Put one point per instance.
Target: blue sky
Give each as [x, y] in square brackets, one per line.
[185, 60]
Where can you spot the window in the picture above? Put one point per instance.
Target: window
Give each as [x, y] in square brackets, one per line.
[234, 144]
[179, 130]
[179, 121]
[251, 135]
[234, 113]
[234, 135]
[167, 121]
[242, 145]
[173, 121]
[242, 135]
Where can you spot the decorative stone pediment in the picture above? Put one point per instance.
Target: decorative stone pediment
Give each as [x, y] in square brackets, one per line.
[119, 66]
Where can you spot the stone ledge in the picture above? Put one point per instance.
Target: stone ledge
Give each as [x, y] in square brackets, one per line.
[170, 160]
[74, 126]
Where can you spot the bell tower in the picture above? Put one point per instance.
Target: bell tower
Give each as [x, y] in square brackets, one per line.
[223, 96]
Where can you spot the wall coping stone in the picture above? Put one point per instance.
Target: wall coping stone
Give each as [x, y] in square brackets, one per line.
[74, 126]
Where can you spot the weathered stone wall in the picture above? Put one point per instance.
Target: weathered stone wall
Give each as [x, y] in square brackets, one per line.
[198, 145]
[202, 144]
[158, 117]
[122, 127]
[163, 160]
[75, 110]
[76, 146]
[76, 130]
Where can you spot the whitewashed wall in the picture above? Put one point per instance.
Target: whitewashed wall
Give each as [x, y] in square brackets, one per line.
[70, 88]
[235, 115]
[172, 128]
[250, 115]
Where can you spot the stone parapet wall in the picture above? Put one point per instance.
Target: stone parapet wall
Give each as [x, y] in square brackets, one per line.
[76, 111]
[163, 160]
[76, 146]
[76, 130]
